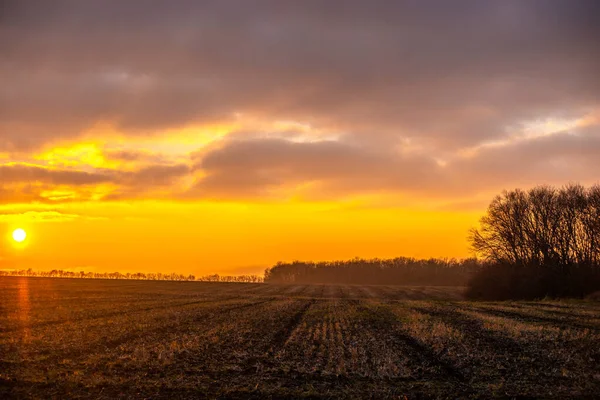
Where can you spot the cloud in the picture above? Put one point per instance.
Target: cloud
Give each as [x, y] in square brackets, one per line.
[447, 75]
[23, 183]
[562, 157]
[155, 175]
[15, 173]
[152, 182]
[42, 216]
[267, 168]
[256, 168]
[378, 96]
[135, 156]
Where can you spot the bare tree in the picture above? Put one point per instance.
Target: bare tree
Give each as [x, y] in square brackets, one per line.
[553, 228]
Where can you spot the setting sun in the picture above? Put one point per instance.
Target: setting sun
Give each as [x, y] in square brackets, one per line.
[19, 235]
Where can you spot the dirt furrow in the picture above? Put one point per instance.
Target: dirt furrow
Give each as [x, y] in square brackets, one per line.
[388, 327]
[111, 314]
[529, 318]
[282, 335]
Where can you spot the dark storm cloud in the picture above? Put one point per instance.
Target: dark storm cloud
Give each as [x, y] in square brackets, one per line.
[449, 73]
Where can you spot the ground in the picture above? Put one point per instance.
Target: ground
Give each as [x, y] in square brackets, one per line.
[111, 339]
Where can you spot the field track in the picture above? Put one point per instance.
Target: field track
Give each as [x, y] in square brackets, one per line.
[75, 338]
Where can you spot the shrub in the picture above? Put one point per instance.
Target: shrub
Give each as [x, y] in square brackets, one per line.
[513, 282]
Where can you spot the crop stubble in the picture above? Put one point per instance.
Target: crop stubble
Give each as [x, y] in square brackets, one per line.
[94, 339]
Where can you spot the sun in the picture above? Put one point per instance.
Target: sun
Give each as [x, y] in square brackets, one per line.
[19, 235]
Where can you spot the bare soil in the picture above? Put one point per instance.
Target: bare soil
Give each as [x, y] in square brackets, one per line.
[76, 338]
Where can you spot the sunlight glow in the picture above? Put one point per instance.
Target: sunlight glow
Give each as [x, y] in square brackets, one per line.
[19, 235]
[77, 155]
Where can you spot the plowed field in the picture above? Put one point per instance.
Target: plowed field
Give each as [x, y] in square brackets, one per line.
[63, 338]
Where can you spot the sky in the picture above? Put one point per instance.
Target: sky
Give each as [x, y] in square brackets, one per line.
[224, 136]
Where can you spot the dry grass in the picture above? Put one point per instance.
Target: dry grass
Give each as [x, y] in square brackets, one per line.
[104, 339]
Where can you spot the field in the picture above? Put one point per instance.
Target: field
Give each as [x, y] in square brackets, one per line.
[110, 339]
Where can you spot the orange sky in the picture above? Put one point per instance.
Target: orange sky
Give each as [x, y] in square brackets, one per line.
[222, 137]
[226, 236]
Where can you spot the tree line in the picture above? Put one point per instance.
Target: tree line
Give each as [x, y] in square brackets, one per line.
[396, 271]
[59, 273]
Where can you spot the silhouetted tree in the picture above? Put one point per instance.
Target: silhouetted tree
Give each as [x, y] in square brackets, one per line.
[545, 238]
[545, 226]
